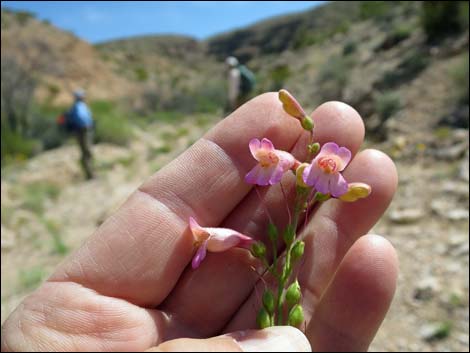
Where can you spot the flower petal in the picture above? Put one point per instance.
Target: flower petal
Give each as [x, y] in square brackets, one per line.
[322, 183]
[222, 239]
[200, 255]
[311, 174]
[328, 148]
[338, 185]
[285, 159]
[276, 176]
[259, 175]
[199, 233]
[345, 156]
[254, 145]
[266, 144]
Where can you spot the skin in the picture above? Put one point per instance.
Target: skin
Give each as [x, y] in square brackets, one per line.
[131, 286]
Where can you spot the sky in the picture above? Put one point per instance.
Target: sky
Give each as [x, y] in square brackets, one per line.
[97, 21]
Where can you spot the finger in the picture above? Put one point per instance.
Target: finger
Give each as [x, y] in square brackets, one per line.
[273, 339]
[331, 231]
[139, 253]
[337, 225]
[355, 303]
[213, 298]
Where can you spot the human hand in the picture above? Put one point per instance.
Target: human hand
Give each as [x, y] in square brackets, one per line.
[130, 287]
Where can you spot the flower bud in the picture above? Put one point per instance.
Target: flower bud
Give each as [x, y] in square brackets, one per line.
[307, 123]
[313, 148]
[289, 235]
[296, 316]
[263, 319]
[355, 192]
[268, 301]
[258, 250]
[297, 250]
[272, 232]
[299, 175]
[293, 294]
[290, 105]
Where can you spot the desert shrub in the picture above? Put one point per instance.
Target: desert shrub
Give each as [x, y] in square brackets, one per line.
[460, 77]
[279, 75]
[111, 124]
[141, 74]
[395, 36]
[15, 146]
[407, 70]
[349, 48]
[377, 10]
[22, 17]
[387, 104]
[333, 77]
[43, 126]
[442, 18]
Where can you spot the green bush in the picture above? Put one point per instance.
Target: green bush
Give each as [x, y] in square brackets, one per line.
[333, 77]
[387, 104]
[407, 70]
[111, 123]
[22, 17]
[278, 76]
[141, 74]
[378, 10]
[442, 18]
[460, 76]
[349, 48]
[14, 146]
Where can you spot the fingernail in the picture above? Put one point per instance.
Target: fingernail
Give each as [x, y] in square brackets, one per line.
[272, 339]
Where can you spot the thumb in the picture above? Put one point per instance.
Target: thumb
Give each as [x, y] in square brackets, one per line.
[272, 339]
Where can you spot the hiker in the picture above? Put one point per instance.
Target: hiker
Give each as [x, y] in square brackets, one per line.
[79, 121]
[241, 82]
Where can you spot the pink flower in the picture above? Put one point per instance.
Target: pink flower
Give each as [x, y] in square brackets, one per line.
[215, 240]
[324, 172]
[272, 163]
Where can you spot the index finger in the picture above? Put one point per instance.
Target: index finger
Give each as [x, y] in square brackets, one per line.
[139, 253]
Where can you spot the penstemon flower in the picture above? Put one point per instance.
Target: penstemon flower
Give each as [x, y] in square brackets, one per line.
[318, 178]
[272, 163]
[215, 240]
[324, 173]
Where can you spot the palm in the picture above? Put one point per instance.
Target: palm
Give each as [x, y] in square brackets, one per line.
[129, 288]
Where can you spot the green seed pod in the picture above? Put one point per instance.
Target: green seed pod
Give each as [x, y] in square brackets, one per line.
[297, 250]
[272, 232]
[289, 235]
[263, 320]
[307, 123]
[268, 301]
[293, 294]
[258, 250]
[296, 316]
[314, 148]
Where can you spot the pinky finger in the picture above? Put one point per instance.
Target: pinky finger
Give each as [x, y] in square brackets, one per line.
[356, 301]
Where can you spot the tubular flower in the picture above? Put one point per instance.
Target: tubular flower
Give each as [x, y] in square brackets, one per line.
[324, 173]
[215, 240]
[272, 163]
[292, 107]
